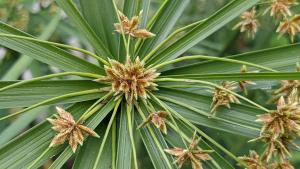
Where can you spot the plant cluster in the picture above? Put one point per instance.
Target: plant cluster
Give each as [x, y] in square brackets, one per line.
[280, 10]
[134, 92]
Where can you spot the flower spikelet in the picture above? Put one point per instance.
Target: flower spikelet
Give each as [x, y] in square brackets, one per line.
[68, 129]
[192, 153]
[131, 79]
[284, 120]
[287, 86]
[222, 97]
[248, 23]
[281, 7]
[290, 26]
[253, 161]
[281, 165]
[131, 27]
[158, 119]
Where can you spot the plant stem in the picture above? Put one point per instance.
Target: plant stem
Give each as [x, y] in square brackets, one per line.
[114, 143]
[56, 44]
[185, 58]
[52, 100]
[112, 118]
[81, 74]
[212, 84]
[130, 128]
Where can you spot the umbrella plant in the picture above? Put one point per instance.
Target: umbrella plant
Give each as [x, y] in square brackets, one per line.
[141, 86]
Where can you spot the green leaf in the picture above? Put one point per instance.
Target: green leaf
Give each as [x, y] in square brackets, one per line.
[46, 53]
[124, 150]
[92, 123]
[18, 125]
[239, 76]
[81, 24]
[23, 150]
[203, 30]
[24, 61]
[280, 58]
[238, 120]
[35, 92]
[162, 24]
[103, 24]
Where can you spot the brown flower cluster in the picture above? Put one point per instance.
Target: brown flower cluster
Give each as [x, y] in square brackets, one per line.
[281, 7]
[68, 129]
[254, 161]
[158, 119]
[131, 79]
[287, 86]
[248, 23]
[131, 26]
[290, 26]
[192, 153]
[280, 10]
[280, 128]
[222, 97]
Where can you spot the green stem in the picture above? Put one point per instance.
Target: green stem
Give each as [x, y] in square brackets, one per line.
[52, 100]
[56, 44]
[212, 84]
[120, 22]
[128, 48]
[112, 118]
[167, 40]
[81, 74]
[130, 128]
[185, 58]
[114, 144]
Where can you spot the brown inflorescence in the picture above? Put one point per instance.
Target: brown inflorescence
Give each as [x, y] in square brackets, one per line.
[131, 79]
[68, 129]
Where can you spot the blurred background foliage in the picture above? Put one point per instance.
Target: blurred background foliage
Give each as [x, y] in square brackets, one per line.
[43, 19]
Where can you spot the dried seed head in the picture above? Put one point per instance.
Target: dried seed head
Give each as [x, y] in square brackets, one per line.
[284, 120]
[222, 97]
[253, 161]
[290, 26]
[158, 119]
[244, 83]
[192, 153]
[131, 79]
[276, 146]
[287, 86]
[281, 7]
[68, 129]
[131, 27]
[282, 165]
[248, 23]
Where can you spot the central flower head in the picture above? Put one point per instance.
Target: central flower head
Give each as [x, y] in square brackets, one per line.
[131, 79]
